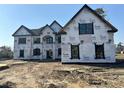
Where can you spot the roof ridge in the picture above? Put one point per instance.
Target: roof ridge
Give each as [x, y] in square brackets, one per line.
[37, 28]
[24, 28]
[55, 22]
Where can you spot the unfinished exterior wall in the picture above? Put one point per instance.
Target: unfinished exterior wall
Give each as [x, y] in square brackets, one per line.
[30, 46]
[103, 34]
[87, 41]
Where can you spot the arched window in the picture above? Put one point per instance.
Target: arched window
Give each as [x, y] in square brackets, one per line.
[36, 52]
[48, 39]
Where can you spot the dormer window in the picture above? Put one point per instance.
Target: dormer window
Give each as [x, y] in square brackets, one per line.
[86, 28]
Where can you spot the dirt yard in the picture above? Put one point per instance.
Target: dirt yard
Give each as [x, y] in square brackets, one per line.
[34, 74]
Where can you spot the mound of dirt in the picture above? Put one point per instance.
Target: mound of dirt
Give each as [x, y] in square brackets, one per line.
[56, 75]
[8, 84]
[3, 66]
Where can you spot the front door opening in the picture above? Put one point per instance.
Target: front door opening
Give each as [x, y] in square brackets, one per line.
[21, 53]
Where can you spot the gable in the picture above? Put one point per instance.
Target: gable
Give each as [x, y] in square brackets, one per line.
[56, 26]
[47, 30]
[85, 13]
[100, 28]
[85, 16]
[22, 31]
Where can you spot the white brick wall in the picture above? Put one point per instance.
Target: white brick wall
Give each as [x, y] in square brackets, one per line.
[87, 48]
[29, 46]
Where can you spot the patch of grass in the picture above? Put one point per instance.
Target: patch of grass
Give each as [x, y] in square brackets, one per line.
[119, 56]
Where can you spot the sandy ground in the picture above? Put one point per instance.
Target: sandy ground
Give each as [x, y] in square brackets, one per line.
[29, 74]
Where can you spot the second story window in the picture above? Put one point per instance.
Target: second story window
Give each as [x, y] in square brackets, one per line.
[86, 28]
[48, 39]
[59, 39]
[22, 41]
[36, 40]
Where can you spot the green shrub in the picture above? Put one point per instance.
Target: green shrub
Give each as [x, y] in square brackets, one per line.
[6, 52]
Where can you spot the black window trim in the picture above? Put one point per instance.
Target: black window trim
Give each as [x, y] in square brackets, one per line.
[103, 52]
[48, 39]
[21, 42]
[78, 51]
[20, 53]
[35, 42]
[59, 51]
[86, 33]
[59, 39]
[34, 50]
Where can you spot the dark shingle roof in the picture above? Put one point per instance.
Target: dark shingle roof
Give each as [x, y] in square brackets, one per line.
[56, 23]
[22, 26]
[37, 31]
[34, 32]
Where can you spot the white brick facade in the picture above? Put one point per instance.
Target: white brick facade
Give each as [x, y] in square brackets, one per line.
[86, 42]
[29, 46]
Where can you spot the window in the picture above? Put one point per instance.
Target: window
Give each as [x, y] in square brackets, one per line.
[99, 49]
[21, 53]
[86, 28]
[36, 40]
[59, 51]
[48, 39]
[22, 41]
[36, 52]
[74, 51]
[49, 54]
[59, 39]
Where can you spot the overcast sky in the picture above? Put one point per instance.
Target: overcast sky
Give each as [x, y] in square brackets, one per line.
[36, 16]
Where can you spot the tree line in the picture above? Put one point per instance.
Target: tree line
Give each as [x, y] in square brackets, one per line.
[6, 52]
[120, 48]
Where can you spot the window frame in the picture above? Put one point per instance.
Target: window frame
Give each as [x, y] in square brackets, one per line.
[21, 41]
[103, 51]
[59, 39]
[35, 40]
[86, 32]
[20, 55]
[72, 56]
[48, 39]
[36, 53]
[59, 52]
